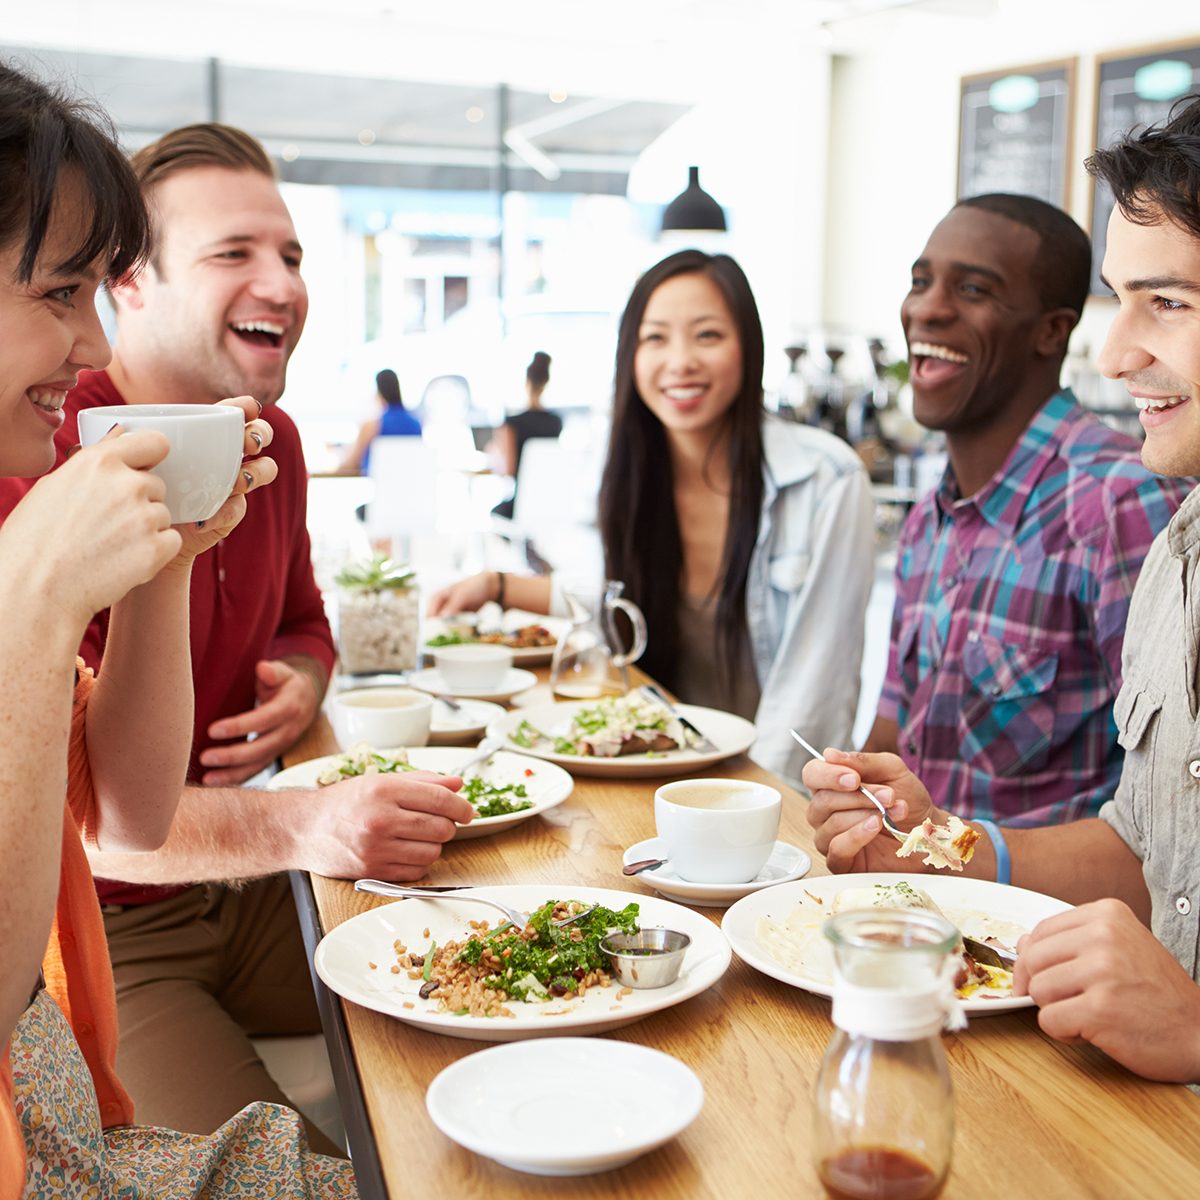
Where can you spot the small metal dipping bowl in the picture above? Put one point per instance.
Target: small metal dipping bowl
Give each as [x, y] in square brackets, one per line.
[650, 958]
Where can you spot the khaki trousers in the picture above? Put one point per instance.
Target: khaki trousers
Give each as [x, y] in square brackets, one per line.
[197, 976]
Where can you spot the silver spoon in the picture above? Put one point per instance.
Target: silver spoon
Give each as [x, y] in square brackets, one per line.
[897, 833]
[646, 864]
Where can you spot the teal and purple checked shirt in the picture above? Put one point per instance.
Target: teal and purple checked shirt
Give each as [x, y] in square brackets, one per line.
[1010, 611]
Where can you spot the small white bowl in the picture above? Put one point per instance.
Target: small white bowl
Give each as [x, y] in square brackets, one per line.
[474, 667]
[382, 716]
[564, 1106]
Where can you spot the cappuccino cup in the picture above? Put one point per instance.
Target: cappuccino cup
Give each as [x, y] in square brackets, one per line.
[205, 456]
[717, 830]
[383, 717]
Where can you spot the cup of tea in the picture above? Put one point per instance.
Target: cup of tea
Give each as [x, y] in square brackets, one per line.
[205, 455]
[383, 717]
[474, 667]
[717, 830]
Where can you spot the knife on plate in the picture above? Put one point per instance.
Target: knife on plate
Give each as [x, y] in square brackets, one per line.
[704, 744]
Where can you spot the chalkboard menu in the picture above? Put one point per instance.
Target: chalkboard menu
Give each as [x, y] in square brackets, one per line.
[1015, 132]
[1133, 89]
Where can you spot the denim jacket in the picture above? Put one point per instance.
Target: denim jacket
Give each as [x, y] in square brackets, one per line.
[807, 590]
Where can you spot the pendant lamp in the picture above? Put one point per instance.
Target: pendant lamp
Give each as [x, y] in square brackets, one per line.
[693, 208]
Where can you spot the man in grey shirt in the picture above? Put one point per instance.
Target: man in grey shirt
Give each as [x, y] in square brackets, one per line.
[1121, 970]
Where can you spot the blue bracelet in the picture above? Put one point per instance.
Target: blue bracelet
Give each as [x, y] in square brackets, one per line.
[1003, 859]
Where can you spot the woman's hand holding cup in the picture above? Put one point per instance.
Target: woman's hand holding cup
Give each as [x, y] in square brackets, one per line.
[255, 472]
[94, 529]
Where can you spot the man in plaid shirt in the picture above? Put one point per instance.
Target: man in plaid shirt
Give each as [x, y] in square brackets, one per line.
[1014, 575]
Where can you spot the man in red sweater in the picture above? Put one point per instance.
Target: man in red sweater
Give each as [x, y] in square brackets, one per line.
[200, 966]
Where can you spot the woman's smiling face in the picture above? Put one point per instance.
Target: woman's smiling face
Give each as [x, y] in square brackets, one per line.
[49, 332]
[688, 363]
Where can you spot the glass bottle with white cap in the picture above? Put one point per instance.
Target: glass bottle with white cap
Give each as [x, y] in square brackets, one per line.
[885, 1108]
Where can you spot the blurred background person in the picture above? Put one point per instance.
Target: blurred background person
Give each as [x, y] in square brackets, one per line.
[534, 422]
[394, 421]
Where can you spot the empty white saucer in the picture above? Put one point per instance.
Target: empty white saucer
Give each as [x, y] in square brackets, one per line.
[430, 680]
[564, 1106]
[787, 862]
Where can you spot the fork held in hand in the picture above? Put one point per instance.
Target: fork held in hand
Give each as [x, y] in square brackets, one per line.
[483, 752]
[897, 833]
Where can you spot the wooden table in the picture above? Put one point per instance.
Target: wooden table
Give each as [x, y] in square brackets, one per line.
[1056, 1120]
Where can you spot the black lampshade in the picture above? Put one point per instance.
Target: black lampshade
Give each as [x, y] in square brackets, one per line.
[694, 208]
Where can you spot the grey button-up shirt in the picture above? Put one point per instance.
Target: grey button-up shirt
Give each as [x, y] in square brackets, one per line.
[1156, 810]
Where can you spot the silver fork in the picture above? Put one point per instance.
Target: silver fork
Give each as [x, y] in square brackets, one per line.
[514, 916]
[897, 833]
[483, 752]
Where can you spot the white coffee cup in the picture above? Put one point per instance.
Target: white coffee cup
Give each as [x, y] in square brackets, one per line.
[383, 717]
[205, 455]
[474, 667]
[717, 830]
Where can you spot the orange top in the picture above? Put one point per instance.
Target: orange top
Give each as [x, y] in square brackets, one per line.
[76, 967]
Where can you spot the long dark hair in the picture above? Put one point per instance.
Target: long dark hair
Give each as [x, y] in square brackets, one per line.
[45, 137]
[639, 527]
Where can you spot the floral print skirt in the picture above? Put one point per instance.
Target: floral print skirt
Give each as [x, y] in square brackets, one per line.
[259, 1154]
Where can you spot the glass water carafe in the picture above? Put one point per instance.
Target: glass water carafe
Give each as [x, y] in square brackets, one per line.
[884, 1114]
[588, 660]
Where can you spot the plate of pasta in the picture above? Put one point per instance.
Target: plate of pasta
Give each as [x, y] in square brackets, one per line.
[778, 930]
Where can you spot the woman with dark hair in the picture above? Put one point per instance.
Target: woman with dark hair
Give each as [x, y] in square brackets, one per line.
[394, 421]
[534, 422]
[115, 748]
[746, 540]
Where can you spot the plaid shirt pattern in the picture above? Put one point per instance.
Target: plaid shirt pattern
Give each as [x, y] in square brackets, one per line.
[1010, 612]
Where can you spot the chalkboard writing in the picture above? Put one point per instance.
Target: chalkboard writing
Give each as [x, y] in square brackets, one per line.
[1131, 91]
[1015, 132]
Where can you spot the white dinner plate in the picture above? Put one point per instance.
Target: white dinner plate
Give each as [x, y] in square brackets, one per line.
[972, 904]
[523, 656]
[450, 728]
[507, 1103]
[344, 956]
[548, 786]
[430, 680]
[732, 735]
[787, 862]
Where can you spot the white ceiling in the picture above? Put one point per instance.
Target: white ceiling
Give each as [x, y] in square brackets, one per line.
[673, 50]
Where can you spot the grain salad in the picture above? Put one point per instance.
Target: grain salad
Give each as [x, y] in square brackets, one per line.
[481, 973]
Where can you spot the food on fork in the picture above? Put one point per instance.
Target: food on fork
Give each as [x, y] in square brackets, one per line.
[611, 728]
[950, 845]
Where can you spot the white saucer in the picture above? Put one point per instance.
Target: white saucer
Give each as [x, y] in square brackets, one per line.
[450, 728]
[787, 862]
[430, 680]
[507, 1103]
